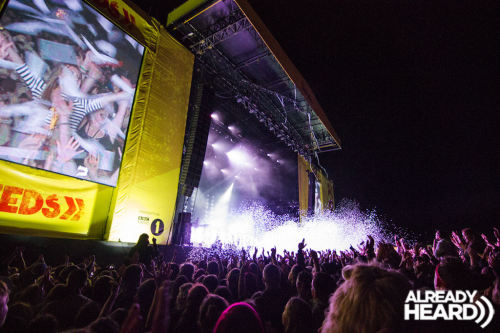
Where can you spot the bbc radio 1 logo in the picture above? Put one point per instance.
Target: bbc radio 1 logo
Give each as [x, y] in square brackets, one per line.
[448, 305]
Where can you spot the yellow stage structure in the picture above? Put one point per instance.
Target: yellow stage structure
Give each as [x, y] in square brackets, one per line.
[41, 203]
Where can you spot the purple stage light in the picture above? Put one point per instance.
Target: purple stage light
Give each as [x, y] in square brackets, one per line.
[239, 156]
[217, 146]
[234, 130]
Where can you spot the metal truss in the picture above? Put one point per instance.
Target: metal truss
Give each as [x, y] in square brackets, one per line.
[221, 35]
[270, 107]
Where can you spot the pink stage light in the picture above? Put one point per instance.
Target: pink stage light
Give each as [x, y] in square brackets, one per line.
[215, 116]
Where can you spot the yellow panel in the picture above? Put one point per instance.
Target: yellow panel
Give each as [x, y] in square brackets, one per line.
[38, 202]
[148, 184]
[303, 167]
[327, 198]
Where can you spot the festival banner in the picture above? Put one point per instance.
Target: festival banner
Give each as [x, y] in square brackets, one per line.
[39, 203]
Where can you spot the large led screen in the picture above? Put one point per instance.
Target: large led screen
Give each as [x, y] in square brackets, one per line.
[67, 85]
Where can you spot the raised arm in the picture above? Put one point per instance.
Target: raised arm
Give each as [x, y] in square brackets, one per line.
[300, 254]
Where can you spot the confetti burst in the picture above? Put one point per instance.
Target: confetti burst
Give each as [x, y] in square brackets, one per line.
[254, 225]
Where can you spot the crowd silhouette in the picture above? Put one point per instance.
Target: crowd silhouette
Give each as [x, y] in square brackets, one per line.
[250, 290]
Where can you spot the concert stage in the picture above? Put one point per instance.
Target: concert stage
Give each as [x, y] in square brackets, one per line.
[206, 127]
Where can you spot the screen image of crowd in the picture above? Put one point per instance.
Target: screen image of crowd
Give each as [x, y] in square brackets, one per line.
[67, 83]
[254, 290]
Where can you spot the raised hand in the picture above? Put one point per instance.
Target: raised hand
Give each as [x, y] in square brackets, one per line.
[302, 244]
[456, 240]
[486, 240]
[438, 235]
[8, 50]
[496, 232]
[68, 151]
[314, 255]
[91, 162]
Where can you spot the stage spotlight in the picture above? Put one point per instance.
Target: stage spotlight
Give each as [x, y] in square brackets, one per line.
[239, 156]
[215, 116]
[217, 146]
[221, 208]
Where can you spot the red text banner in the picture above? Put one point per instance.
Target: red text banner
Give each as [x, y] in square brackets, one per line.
[37, 202]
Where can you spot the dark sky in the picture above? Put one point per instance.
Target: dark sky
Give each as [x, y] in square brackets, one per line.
[411, 88]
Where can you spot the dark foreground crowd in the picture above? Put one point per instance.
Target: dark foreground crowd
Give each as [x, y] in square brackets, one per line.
[360, 290]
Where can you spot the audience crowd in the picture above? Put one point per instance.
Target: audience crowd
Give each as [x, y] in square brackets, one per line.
[359, 290]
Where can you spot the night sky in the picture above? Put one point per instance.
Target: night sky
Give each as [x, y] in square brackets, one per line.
[411, 89]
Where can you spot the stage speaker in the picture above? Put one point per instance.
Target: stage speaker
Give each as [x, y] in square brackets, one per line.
[182, 230]
[197, 129]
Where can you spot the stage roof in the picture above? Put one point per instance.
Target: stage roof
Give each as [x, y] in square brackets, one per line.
[249, 66]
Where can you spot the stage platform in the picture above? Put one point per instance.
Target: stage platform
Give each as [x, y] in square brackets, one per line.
[54, 249]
